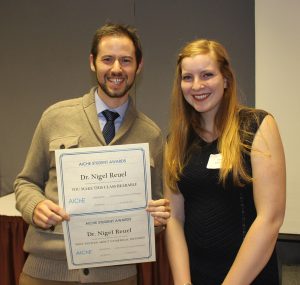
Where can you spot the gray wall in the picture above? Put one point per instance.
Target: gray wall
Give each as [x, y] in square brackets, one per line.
[44, 49]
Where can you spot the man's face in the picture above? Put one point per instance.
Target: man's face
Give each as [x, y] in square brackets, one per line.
[115, 68]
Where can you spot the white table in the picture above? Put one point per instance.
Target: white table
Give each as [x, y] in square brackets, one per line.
[7, 205]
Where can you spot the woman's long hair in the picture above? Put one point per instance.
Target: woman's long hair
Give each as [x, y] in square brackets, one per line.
[185, 120]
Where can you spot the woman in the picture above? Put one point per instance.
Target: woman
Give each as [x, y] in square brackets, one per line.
[225, 177]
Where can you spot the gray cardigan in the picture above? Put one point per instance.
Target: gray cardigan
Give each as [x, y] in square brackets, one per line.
[74, 123]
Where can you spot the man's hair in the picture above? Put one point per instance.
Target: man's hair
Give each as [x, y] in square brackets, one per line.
[111, 29]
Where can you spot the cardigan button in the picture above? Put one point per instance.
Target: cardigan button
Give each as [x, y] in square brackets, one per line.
[62, 146]
[86, 271]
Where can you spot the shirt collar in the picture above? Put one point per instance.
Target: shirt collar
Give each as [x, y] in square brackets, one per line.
[101, 106]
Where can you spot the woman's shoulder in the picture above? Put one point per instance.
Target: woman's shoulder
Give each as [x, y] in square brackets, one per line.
[251, 113]
[251, 118]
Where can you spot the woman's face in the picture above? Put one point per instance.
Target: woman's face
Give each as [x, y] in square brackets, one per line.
[202, 84]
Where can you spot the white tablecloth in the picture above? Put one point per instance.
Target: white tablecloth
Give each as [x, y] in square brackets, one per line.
[7, 205]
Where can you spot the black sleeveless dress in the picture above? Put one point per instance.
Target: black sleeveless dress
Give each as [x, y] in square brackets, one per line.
[217, 218]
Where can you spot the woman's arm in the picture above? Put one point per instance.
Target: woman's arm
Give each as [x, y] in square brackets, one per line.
[175, 240]
[269, 183]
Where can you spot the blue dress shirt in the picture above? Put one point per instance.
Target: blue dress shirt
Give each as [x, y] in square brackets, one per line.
[101, 106]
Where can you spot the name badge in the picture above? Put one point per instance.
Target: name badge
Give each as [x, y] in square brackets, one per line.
[215, 161]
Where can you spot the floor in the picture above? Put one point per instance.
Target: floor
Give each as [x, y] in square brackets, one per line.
[290, 274]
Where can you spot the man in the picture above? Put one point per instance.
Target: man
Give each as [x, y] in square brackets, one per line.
[116, 59]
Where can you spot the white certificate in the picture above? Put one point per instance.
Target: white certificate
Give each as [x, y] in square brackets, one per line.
[105, 190]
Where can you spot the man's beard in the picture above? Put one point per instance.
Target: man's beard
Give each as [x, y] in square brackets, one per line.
[120, 94]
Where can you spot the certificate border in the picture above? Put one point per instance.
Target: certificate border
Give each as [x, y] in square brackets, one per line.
[61, 156]
[134, 260]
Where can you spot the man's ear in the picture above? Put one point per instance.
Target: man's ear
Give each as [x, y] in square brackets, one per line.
[92, 65]
[140, 67]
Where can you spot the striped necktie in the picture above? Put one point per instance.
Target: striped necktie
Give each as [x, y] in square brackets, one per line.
[109, 128]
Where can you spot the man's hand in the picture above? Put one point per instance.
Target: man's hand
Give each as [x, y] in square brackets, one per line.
[160, 210]
[48, 214]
